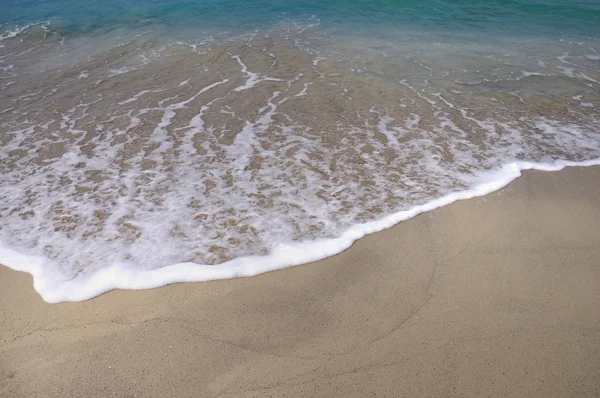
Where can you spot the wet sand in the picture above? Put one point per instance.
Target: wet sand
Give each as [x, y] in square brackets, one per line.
[494, 296]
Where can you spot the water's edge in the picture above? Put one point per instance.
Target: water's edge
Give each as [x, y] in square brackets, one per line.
[127, 277]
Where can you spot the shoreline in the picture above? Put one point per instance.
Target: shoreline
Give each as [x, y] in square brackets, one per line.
[124, 277]
[495, 295]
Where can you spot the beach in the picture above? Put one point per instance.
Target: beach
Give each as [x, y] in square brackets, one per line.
[299, 198]
[491, 296]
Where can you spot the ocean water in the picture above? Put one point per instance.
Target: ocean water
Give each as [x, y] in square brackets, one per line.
[152, 142]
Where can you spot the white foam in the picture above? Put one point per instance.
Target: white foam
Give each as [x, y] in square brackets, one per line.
[55, 288]
[160, 132]
[201, 175]
[527, 74]
[9, 34]
[304, 90]
[570, 72]
[317, 60]
[586, 77]
[143, 92]
[253, 78]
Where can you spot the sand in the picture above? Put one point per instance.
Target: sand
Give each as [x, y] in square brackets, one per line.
[494, 296]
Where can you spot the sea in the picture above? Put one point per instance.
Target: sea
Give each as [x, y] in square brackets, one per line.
[149, 142]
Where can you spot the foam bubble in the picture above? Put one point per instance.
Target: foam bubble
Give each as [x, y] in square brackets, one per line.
[235, 158]
[54, 289]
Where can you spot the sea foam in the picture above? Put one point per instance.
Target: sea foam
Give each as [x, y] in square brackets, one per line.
[128, 276]
[133, 160]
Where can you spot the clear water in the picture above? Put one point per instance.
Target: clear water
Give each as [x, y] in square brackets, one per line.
[537, 17]
[149, 142]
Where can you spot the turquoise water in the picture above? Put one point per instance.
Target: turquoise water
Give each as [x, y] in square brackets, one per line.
[524, 17]
[151, 142]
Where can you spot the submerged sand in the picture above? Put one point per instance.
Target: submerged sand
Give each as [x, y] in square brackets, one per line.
[494, 296]
[154, 152]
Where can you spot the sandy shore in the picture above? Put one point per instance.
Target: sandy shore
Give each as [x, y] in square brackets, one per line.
[495, 296]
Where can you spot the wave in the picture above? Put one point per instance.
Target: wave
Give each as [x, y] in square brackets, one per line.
[133, 160]
[126, 276]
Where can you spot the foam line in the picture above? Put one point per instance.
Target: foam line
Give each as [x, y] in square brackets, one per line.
[55, 289]
[253, 78]
[9, 34]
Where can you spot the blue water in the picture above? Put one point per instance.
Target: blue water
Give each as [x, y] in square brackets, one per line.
[507, 17]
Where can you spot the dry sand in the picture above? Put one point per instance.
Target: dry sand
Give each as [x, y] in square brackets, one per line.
[495, 296]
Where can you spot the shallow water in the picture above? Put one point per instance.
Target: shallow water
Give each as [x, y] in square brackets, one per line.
[139, 137]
